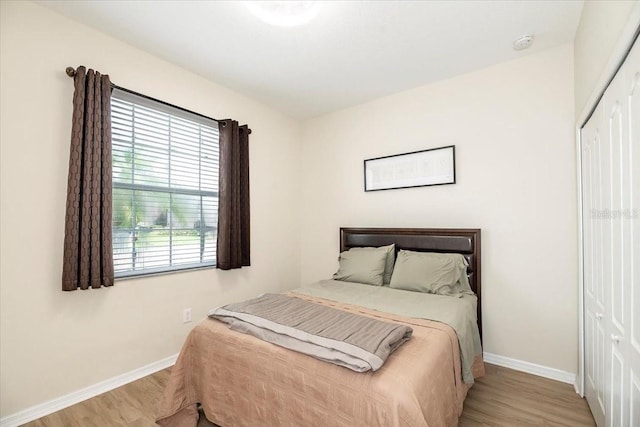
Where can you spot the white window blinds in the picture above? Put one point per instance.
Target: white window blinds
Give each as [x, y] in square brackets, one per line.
[165, 186]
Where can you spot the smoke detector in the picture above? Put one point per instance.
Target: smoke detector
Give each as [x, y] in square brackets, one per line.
[523, 42]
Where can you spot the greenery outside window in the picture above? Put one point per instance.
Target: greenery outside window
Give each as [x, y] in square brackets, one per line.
[165, 186]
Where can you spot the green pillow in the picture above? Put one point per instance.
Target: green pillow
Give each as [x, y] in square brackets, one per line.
[390, 250]
[362, 266]
[430, 272]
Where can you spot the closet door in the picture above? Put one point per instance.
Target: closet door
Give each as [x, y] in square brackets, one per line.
[631, 234]
[610, 148]
[622, 105]
[594, 264]
[617, 117]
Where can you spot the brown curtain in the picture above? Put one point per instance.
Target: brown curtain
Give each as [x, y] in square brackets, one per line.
[88, 256]
[233, 197]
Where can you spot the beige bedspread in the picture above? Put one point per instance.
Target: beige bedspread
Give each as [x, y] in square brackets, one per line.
[242, 381]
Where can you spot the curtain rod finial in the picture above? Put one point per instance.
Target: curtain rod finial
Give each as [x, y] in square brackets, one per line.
[71, 72]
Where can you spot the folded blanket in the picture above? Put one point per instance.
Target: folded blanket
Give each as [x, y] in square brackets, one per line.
[357, 342]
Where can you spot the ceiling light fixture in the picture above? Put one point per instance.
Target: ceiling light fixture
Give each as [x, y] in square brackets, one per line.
[523, 42]
[284, 13]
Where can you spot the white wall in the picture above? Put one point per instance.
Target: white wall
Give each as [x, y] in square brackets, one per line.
[512, 125]
[600, 27]
[54, 343]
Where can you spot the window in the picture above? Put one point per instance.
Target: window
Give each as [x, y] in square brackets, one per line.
[165, 186]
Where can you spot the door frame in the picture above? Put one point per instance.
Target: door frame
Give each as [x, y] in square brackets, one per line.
[616, 59]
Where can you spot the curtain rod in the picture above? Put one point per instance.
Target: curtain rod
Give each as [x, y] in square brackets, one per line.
[71, 72]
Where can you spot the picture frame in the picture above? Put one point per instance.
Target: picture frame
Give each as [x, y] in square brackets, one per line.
[424, 168]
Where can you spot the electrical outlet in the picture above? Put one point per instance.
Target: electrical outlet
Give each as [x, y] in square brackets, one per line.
[186, 315]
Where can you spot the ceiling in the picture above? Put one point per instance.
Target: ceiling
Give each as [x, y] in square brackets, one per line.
[352, 52]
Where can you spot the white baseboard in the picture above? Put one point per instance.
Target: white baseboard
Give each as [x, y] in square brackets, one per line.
[531, 368]
[54, 405]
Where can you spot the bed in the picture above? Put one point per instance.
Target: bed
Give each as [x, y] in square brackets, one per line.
[239, 380]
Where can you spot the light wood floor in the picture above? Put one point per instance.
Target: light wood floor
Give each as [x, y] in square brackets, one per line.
[504, 397]
[508, 398]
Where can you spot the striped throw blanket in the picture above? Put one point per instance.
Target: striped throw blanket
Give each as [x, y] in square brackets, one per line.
[347, 339]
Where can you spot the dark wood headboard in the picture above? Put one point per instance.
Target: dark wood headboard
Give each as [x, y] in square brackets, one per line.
[444, 240]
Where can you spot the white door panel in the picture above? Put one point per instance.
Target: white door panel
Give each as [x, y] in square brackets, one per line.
[631, 223]
[610, 163]
[593, 266]
[634, 413]
[590, 372]
[616, 413]
[601, 384]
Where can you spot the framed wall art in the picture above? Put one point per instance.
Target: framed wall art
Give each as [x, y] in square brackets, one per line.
[434, 166]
